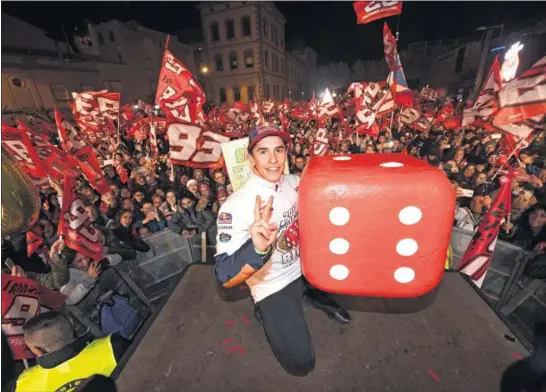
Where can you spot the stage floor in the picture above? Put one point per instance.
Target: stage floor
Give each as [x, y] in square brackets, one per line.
[207, 340]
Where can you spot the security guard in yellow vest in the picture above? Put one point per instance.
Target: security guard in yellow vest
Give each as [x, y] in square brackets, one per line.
[63, 361]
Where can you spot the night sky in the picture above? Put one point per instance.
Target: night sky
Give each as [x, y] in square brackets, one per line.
[329, 27]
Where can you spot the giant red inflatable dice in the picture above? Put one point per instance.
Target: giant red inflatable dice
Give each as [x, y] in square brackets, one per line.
[374, 225]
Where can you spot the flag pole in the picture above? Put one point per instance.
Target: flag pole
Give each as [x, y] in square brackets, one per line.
[436, 113]
[398, 25]
[518, 145]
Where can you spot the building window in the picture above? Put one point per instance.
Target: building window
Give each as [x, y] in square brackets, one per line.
[236, 93]
[276, 63]
[101, 38]
[120, 58]
[249, 58]
[219, 61]
[223, 96]
[282, 39]
[111, 36]
[230, 29]
[227, 5]
[274, 34]
[282, 66]
[151, 86]
[266, 59]
[214, 32]
[265, 28]
[246, 27]
[251, 93]
[233, 60]
[267, 91]
[160, 44]
[59, 93]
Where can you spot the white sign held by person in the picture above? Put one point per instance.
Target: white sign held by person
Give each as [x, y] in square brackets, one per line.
[237, 163]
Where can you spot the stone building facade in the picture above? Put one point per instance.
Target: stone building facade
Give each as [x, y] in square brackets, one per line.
[244, 54]
[39, 72]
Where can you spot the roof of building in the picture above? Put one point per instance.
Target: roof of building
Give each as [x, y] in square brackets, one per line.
[190, 36]
[296, 44]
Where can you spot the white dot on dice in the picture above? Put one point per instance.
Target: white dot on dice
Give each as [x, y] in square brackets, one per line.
[339, 216]
[410, 215]
[391, 164]
[339, 272]
[407, 247]
[342, 158]
[404, 275]
[339, 246]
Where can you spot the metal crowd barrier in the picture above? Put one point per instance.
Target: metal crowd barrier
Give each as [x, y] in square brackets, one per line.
[148, 281]
[519, 300]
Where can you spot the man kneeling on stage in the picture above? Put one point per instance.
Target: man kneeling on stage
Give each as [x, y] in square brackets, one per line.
[260, 245]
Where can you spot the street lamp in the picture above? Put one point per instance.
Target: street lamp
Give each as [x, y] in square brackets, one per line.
[204, 69]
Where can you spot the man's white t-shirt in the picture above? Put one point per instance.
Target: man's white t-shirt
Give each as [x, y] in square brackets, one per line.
[237, 215]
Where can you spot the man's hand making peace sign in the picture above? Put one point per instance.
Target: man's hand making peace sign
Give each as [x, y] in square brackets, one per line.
[262, 232]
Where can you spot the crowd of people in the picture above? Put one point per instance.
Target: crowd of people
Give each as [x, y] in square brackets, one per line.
[160, 196]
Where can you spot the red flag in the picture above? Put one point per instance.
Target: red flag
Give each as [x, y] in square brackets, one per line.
[320, 146]
[523, 97]
[194, 146]
[357, 89]
[22, 299]
[18, 145]
[477, 257]
[368, 11]
[122, 173]
[75, 225]
[93, 111]
[178, 92]
[445, 112]
[268, 107]
[34, 241]
[396, 79]
[326, 108]
[90, 167]
[256, 113]
[486, 104]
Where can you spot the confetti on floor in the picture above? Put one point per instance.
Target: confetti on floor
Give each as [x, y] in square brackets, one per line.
[239, 349]
[433, 375]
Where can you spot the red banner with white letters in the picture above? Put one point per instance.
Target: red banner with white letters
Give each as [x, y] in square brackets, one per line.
[22, 299]
[95, 112]
[18, 145]
[320, 146]
[477, 257]
[75, 225]
[179, 94]
[523, 97]
[368, 11]
[193, 146]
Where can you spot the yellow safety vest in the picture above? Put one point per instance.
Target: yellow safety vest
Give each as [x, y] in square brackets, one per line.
[449, 259]
[96, 358]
